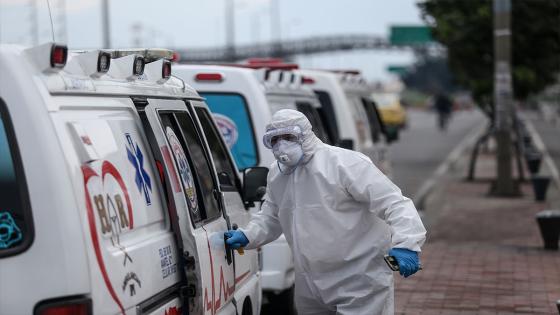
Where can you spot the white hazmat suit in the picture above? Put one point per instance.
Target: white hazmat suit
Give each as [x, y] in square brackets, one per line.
[340, 215]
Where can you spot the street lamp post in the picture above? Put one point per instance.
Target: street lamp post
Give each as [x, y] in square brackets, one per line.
[106, 27]
[34, 23]
[276, 28]
[230, 30]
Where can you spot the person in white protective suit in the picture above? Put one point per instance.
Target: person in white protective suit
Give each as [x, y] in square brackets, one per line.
[340, 215]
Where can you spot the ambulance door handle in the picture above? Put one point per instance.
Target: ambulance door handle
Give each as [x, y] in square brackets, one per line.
[229, 254]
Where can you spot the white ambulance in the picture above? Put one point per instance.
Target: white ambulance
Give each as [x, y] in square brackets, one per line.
[358, 92]
[350, 114]
[115, 190]
[242, 98]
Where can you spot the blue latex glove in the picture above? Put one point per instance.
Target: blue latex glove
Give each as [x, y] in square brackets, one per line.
[408, 260]
[235, 239]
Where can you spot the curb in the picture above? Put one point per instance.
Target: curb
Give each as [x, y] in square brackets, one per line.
[424, 191]
[546, 156]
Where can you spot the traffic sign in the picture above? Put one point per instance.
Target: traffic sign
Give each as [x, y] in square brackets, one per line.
[410, 35]
[398, 70]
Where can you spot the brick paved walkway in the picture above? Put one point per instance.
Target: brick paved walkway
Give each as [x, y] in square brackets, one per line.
[483, 255]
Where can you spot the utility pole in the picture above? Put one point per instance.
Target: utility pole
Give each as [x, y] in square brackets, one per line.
[503, 97]
[230, 29]
[34, 23]
[275, 28]
[106, 27]
[255, 27]
[137, 30]
[62, 32]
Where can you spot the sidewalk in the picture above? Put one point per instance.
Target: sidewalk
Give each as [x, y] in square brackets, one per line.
[483, 254]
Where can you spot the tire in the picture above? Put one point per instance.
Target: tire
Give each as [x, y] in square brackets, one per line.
[284, 303]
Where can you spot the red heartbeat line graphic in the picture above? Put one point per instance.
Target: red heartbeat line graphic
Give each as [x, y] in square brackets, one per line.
[225, 290]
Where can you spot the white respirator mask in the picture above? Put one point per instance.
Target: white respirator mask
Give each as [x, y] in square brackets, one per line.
[287, 152]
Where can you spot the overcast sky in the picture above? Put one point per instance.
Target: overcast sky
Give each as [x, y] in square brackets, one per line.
[190, 23]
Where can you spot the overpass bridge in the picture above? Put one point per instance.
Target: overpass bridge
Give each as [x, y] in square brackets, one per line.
[289, 48]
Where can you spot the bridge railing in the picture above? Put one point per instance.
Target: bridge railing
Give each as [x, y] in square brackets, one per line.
[288, 48]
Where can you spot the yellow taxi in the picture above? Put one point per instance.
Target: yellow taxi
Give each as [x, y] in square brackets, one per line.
[392, 112]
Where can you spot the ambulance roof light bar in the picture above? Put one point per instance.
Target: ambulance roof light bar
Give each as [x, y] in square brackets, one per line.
[158, 71]
[149, 54]
[260, 61]
[274, 66]
[269, 66]
[48, 57]
[166, 69]
[93, 63]
[59, 55]
[346, 71]
[138, 66]
[272, 78]
[286, 79]
[103, 62]
[129, 67]
[295, 81]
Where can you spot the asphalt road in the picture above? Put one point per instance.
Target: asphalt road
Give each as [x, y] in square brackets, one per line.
[549, 132]
[422, 147]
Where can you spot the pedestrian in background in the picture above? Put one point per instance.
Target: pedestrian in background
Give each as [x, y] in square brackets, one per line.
[444, 107]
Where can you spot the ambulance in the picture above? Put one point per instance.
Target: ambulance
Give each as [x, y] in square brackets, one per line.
[242, 98]
[116, 189]
[350, 115]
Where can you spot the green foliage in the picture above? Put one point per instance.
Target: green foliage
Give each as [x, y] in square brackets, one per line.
[430, 75]
[466, 29]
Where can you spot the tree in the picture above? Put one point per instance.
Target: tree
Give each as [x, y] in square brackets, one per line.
[466, 29]
[471, 30]
[430, 75]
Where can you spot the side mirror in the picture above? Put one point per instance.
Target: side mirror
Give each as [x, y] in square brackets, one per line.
[346, 144]
[254, 184]
[224, 179]
[391, 134]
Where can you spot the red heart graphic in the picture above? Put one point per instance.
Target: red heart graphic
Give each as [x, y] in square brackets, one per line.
[88, 172]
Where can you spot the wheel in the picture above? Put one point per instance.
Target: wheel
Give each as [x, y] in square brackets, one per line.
[284, 303]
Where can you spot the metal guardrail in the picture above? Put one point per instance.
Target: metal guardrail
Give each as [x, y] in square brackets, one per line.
[288, 48]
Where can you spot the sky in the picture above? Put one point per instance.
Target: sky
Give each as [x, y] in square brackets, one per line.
[191, 24]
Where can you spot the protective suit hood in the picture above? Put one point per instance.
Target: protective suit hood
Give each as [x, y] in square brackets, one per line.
[289, 118]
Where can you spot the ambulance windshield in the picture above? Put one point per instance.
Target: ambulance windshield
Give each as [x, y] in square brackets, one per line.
[232, 117]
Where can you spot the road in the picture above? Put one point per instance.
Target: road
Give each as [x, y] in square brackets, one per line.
[549, 132]
[422, 147]
[548, 129]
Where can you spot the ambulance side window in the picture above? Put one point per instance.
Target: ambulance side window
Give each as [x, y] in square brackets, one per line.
[315, 120]
[16, 225]
[328, 115]
[219, 152]
[187, 173]
[374, 121]
[231, 113]
[201, 164]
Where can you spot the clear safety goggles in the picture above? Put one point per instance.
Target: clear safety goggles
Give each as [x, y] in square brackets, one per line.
[292, 133]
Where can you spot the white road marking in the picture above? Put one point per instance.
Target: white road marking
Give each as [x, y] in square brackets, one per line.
[546, 156]
[452, 157]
